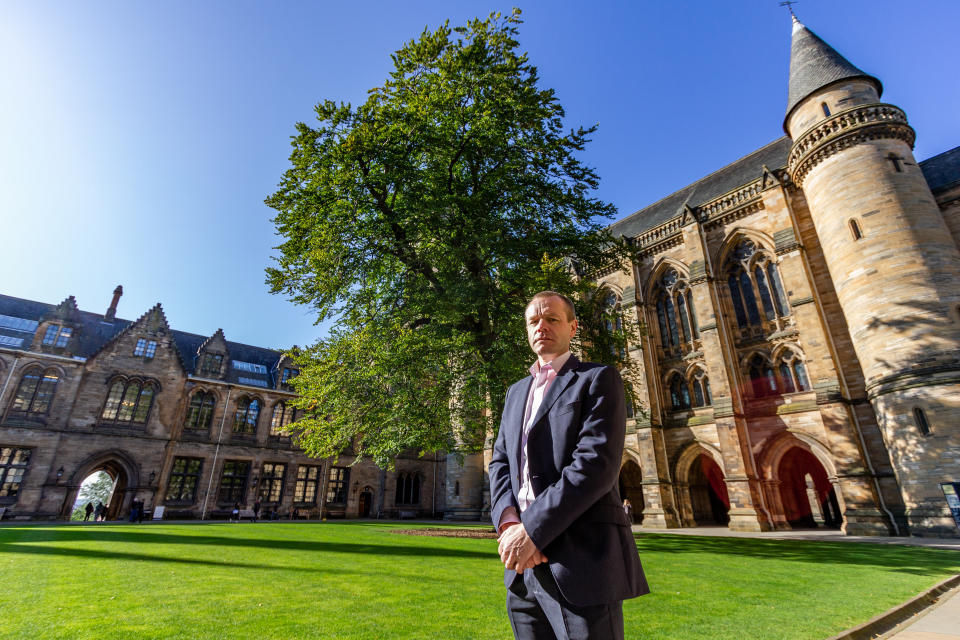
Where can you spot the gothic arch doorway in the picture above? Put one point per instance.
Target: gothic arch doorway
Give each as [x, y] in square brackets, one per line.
[708, 492]
[95, 490]
[365, 502]
[806, 493]
[631, 488]
[122, 471]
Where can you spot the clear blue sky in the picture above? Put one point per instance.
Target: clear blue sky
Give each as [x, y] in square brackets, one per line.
[139, 139]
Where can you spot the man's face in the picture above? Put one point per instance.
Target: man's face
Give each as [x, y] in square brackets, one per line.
[549, 330]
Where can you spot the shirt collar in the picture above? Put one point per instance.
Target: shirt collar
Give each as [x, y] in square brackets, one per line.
[556, 364]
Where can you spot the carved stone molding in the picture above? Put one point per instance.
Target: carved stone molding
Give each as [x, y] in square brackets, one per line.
[845, 129]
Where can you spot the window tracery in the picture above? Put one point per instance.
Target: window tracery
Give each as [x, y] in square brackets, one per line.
[756, 291]
[200, 411]
[787, 374]
[676, 317]
[282, 416]
[690, 392]
[408, 488]
[613, 323]
[34, 393]
[128, 401]
[245, 419]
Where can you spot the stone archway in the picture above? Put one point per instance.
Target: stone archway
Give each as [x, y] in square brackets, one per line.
[365, 502]
[631, 488]
[801, 483]
[122, 470]
[708, 492]
[701, 487]
[807, 496]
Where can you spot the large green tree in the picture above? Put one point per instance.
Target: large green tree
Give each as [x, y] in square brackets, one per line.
[421, 221]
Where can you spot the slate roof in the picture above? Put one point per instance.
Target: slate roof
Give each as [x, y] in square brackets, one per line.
[93, 332]
[942, 171]
[735, 174]
[814, 64]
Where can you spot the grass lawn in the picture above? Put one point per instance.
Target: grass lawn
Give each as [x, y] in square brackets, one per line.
[360, 580]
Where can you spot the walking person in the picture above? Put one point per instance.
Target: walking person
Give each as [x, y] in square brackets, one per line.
[100, 512]
[256, 509]
[87, 511]
[567, 548]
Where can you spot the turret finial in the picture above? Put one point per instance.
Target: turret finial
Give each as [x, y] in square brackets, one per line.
[789, 5]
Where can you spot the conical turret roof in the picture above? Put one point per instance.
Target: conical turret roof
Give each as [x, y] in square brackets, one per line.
[814, 64]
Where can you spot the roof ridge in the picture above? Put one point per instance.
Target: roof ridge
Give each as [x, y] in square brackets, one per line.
[942, 153]
[209, 339]
[698, 182]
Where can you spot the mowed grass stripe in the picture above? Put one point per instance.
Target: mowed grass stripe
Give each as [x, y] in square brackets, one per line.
[362, 580]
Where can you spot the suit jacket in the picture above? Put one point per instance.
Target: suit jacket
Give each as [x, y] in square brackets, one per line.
[574, 450]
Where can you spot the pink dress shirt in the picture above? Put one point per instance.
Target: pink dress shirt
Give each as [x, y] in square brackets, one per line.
[543, 377]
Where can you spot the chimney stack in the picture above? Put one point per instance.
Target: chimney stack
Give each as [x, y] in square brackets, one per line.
[112, 311]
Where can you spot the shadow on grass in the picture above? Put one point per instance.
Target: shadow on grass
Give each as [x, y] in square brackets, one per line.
[914, 560]
[120, 555]
[29, 540]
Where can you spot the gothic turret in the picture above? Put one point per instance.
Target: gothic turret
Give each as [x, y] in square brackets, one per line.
[892, 261]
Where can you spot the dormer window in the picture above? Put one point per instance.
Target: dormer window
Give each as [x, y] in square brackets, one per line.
[57, 335]
[287, 375]
[145, 348]
[210, 364]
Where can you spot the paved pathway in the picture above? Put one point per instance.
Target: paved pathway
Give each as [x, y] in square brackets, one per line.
[939, 622]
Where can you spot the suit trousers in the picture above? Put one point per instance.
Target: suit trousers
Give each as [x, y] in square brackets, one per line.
[538, 611]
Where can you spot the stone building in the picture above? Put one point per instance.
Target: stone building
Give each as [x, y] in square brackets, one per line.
[193, 423]
[801, 309]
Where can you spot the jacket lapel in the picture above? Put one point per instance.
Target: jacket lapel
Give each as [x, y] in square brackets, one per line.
[558, 386]
[519, 402]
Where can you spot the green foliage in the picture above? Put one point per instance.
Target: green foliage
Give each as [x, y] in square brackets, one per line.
[362, 580]
[99, 489]
[422, 221]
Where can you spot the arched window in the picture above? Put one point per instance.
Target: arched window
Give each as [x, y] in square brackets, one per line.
[200, 411]
[128, 401]
[855, 229]
[921, 419]
[282, 416]
[762, 378]
[613, 323]
[675, 313]
[408, 488]
[793, 374]
[679, 393]
[826, 109]
[755, 287]
[34, 394]
[245, 420]
[700, 385]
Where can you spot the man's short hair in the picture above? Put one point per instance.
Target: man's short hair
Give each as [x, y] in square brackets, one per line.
[571, 310]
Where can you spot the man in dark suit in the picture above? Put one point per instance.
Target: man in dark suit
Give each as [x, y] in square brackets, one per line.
[565, 541]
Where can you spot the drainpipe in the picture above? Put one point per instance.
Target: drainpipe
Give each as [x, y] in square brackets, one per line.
[216, 453]
[3, 392]
[323, 487]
